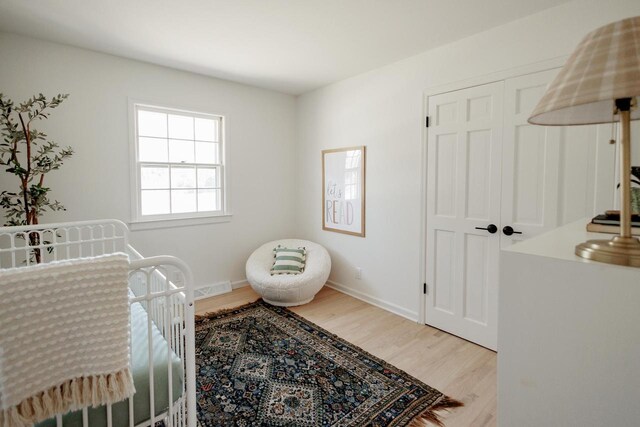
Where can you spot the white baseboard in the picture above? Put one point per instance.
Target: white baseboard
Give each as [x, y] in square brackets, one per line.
[393, 308]
[239, 284]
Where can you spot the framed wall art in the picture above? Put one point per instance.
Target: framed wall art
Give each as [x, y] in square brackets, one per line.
[343, 190]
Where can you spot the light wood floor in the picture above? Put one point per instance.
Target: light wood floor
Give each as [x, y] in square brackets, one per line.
[458, 368]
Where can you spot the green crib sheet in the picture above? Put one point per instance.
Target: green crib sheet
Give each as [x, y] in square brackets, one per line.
[140, 371]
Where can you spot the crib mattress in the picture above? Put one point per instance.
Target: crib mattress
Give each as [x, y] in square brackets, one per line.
[140, 372]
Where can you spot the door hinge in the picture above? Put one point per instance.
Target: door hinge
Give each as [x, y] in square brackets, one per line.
[427, 121]
[424, 289]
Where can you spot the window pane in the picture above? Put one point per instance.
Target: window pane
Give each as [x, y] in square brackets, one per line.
[154, 177]
[208, 200]
[183, 201]
[183, 177]
[350, 177]
[350, 192]
[207, 152]
[206, 129]
[207, 177]
[180, 151]
[180, 127]
[352, 159]
[151, 123]
[155, 202]
[152, 150]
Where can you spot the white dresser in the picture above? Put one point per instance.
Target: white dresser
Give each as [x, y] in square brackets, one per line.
[568, 335]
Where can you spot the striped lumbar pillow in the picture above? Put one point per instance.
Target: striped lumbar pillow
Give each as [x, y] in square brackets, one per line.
[288, 260]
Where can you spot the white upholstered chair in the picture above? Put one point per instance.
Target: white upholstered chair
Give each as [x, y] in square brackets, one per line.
[288, 289]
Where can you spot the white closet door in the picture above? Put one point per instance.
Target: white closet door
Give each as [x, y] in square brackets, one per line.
[530, 159]
[487, 165]
[551, 175]
[463, 196]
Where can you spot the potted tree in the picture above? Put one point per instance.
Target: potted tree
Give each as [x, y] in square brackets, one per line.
[29, 155]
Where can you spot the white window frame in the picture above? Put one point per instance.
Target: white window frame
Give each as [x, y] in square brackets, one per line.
[143, 222]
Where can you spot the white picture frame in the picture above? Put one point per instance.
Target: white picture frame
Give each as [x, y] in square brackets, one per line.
[343, 190]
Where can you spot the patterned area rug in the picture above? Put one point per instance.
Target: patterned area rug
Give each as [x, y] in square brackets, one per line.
[260, 365]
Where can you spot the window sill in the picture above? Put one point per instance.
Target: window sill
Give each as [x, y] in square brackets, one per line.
[177, 222]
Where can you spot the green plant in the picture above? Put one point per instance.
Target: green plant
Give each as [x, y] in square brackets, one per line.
[635, 173]
[29, 155]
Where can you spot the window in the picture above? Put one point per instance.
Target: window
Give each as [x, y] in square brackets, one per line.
[352, 174]
[179, 164]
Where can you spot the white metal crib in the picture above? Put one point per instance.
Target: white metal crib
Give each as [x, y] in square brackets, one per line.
[160, 287]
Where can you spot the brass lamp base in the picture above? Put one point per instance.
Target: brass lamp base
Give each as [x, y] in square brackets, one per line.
[619, 250]
[623, 249]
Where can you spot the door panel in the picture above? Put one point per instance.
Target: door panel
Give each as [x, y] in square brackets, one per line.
[478, 146]
[587, 166]
[464, 193]
[528, 175]
[445, 152]
[475, 281]
[444, 270]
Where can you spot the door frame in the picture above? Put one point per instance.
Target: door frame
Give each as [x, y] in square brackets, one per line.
[536, 67]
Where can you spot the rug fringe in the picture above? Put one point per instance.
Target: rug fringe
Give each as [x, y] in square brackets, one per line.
[430, 416]
[223, 311]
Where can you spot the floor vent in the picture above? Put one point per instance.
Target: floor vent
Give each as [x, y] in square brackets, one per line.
[207, 291]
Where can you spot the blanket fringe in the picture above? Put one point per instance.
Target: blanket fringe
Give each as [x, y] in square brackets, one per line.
[223, 311]
[430, 416]
[73, 394]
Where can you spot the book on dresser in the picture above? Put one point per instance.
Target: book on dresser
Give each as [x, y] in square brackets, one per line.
[609, 222]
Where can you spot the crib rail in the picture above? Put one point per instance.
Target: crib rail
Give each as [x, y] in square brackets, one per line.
[28, 244]
[161, 285]
[169, 306]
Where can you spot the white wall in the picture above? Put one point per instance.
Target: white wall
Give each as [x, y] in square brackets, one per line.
[94, 183]
[383, 110]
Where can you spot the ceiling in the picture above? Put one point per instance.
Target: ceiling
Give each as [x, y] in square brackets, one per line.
[291, 46]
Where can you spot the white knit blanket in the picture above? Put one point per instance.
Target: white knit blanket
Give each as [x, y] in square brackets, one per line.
[64, 337]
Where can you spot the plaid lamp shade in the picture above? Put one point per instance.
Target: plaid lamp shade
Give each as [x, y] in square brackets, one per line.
[604, 67]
